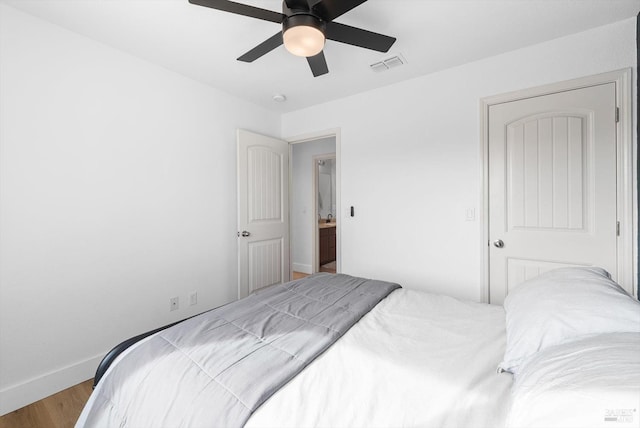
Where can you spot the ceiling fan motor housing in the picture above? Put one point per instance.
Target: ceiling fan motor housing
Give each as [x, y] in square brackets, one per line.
[304, 19]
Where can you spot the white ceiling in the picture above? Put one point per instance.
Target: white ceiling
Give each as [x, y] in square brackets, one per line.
[432, 35]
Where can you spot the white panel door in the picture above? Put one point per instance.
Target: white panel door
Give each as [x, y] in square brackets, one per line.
[552, 185]
[263, 212]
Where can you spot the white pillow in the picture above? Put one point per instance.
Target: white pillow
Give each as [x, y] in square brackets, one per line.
[563, 305]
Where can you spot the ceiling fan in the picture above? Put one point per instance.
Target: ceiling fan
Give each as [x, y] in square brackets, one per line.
[306, 24]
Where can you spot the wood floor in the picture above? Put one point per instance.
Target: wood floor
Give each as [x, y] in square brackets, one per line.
[329, 267]
[60, 410]
[298, 275]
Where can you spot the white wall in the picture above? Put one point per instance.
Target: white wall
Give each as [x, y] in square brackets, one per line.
[416, 145]
[303, 199]
[116, 193]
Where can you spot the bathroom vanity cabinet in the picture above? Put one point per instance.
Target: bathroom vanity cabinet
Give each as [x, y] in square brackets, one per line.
[327, 241]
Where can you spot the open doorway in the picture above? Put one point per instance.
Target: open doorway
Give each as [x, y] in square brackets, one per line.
[325, 191]
[314, 189]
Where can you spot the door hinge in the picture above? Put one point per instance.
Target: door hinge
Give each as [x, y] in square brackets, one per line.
[617, 228]
[617, 114]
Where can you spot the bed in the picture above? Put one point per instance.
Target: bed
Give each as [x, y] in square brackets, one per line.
[563, 351]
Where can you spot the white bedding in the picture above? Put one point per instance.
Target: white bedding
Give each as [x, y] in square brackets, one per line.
[592, 382]
[416, 360]
[425, 360]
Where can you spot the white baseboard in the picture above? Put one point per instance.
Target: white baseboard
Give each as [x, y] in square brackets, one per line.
[17, 396]
[300, 267]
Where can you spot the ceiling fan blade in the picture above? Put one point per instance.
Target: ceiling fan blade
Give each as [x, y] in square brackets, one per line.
[318, 64]
[263, 48]
[358, 37]
[331, 9]
[241, 9]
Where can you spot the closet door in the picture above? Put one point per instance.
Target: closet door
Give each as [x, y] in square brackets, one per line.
[552, 185]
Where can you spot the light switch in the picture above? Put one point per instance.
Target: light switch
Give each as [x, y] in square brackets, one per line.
[470, 214]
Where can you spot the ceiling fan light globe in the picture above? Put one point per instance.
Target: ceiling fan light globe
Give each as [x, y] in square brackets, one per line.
[304, 40]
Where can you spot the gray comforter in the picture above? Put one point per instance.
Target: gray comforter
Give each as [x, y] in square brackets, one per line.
[217, 368]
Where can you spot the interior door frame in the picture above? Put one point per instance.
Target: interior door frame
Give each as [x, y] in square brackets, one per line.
[305, 138]
[626, 172]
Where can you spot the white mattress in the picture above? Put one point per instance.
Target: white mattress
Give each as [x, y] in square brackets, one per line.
[416, 359]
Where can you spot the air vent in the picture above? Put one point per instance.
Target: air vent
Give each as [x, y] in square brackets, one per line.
[378, 67]
[393, 62]
[386, 64]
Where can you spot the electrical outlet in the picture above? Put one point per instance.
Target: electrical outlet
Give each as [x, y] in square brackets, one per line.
[193, 298]
[174, 304]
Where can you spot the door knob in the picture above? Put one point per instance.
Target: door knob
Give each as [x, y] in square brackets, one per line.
[244, 233]
[498, 243]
